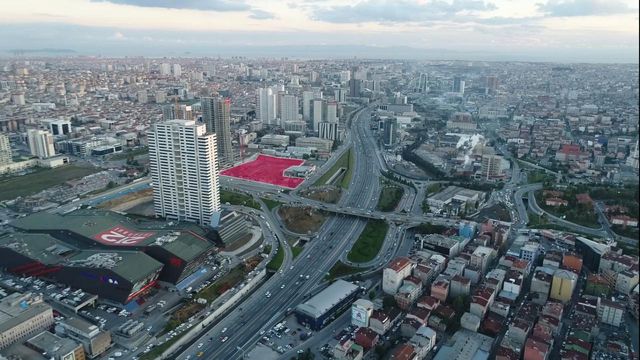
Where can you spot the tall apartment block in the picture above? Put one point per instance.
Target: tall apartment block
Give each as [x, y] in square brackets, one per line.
[216, 114]
[184, 170]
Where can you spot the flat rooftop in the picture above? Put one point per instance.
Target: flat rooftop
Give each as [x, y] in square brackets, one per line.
[268, 170]
[452, 191]
[101, 229]
[131, 265]
[327, 298]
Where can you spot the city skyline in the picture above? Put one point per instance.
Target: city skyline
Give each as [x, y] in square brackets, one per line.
[561, 31]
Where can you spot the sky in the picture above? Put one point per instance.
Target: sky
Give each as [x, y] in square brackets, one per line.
[529, 30]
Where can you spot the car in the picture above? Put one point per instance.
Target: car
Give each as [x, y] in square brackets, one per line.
[223, 331]
[200, 354]
[224, 339]
[282, 287]
[200, 345]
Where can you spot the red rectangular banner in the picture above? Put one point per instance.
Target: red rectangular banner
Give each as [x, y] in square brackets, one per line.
[121, 236]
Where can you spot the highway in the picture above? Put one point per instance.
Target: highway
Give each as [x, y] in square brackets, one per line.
[258, 313]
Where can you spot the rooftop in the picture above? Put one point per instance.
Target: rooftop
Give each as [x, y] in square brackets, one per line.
[51, 344]
[99, 229]
[18, 308]
[398, 264]
[131, 265]
[327, 298]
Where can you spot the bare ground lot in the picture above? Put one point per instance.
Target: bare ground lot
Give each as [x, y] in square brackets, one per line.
[301, 220]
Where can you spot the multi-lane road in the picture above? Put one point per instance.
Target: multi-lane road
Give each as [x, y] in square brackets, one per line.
[244, 324]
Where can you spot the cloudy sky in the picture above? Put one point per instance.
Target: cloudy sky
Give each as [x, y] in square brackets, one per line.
[547, 30]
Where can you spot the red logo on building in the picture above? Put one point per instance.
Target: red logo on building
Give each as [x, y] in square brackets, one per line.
[122, 236]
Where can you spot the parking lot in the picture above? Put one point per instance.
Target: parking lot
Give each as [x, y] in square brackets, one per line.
[285, 335]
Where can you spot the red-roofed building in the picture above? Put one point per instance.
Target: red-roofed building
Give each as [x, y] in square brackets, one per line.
[440, 290]
[404, 352]
[505, 353]
[543, 332]
[380, 322]
[570, 152]
[555, 202]
[428, 302]
[366, 338]
[420, 314]
[393, 275]
[624, 220]
[481, 299]
[536, 350]
[572, 261]
[584, 199]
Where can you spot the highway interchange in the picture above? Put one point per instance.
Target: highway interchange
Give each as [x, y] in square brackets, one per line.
[239, 330]
[259, 313]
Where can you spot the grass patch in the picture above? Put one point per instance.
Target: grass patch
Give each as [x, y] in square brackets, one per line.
[157, 351]
[12, 187]
[341, 269]
[235, 198]
[540, 176]
[434, 188]
[231, 279]
[581, 214]
[347, 161]
[369, 243]
[541, 222]
[271, 204]
[629, 231]
[390, 197]
[296, 250]
[277, 260]
[131, 153]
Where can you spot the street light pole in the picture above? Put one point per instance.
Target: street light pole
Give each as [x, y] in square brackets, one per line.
[241, 351]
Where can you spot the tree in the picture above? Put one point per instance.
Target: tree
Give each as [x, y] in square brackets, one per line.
[372, 295]
[388, 302]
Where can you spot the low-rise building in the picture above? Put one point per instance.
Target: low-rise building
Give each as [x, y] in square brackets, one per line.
[465, 344]
[611, 312]
[440, 290]
[563, 284]
[393, 275]
[366, 338]
[470, 321]
[94, 340]
[536, 350]
[459, 286]
[23, 316]
[423, 341]
[380, 322]
[54, 347]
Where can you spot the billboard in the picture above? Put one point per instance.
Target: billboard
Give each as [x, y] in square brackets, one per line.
[121, 236]
[359, 316]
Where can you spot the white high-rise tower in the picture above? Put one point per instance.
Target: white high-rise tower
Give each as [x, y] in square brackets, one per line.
[184, 170]
[266, 106]
[40, 143]
[288, 108]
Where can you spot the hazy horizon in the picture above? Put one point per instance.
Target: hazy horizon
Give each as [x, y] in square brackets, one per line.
[588, 31]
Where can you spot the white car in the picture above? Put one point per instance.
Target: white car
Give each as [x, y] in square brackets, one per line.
[223, 330]
[200, 345]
